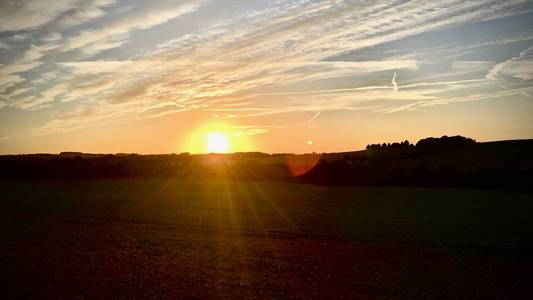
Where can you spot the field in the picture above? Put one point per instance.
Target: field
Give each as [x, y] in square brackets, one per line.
[168, 238]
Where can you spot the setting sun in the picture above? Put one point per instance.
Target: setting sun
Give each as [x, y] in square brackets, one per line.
[219, 137]
[217, 142]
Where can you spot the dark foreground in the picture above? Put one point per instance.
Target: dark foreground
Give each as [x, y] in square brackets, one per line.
[214, 239]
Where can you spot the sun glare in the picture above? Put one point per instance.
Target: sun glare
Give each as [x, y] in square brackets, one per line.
[217, 142]
[218, 137]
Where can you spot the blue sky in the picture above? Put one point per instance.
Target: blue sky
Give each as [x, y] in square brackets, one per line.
[140, 76]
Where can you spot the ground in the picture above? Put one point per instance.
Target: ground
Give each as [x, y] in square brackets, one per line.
[174, 238]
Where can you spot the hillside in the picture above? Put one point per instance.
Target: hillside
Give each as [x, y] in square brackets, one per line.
[444, 162]
[502, 164]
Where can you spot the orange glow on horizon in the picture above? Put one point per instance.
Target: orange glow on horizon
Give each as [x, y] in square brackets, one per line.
[218, 137]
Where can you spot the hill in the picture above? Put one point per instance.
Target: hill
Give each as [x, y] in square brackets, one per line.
[502, 165]
[442, 162]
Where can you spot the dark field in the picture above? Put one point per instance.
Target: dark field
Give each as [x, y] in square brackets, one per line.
[169, 238]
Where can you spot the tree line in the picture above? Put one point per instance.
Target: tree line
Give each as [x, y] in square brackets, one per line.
[445, 161]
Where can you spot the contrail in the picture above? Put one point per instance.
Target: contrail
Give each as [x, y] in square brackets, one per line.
[394, 84]
[314, 117]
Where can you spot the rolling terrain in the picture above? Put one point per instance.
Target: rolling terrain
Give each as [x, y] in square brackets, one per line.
[451, 162]
[191, 238]
[446, 218]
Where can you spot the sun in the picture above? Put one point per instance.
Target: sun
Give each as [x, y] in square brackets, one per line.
[218, 137]
[217, 142]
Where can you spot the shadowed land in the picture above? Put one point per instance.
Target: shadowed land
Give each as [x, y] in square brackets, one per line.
[168, 237]
[432, 162]
[250, 224]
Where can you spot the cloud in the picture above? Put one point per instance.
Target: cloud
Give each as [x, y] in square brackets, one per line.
[30, 102]
[260, 62]
[52, 37]
[9, 80]
[409, 106]
[115, 33]
[19, 37]
[502, 41]
[52, 93]
[18, 92]
[481, 96]
[31, 14]
[28, 14]
[249, 130]
[27, 61]
[394, 84]
[473, 65]
[521, 70]
[282, 46]
[520, 67]
[42, 19]
[82, 12]
[46, 77]
[80, 116]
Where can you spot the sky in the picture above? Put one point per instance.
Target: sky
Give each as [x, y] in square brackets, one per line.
[109, 76]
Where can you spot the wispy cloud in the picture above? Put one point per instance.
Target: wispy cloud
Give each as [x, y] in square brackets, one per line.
[116, 32]
[47, 15]
[29, 14]
[272, 60]
[520, 66]
[474, 65]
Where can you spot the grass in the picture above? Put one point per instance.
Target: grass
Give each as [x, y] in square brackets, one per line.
[133, 237]
[443, 216]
